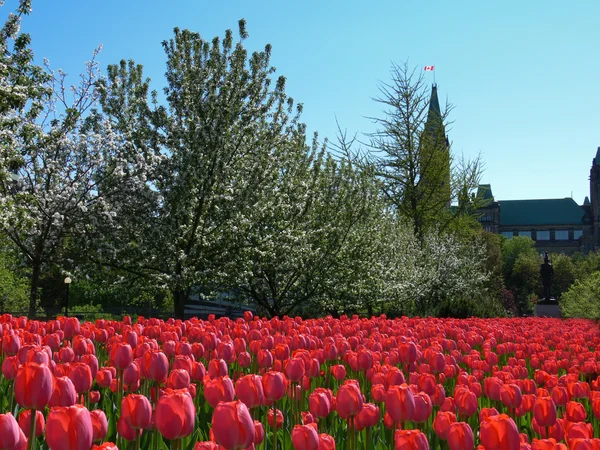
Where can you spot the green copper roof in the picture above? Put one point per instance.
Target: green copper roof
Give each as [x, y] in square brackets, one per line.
[596, 159]
[559, 211]
[484, 191]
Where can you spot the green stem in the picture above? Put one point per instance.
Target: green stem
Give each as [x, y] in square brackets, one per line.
[30, 443]
[274, 425]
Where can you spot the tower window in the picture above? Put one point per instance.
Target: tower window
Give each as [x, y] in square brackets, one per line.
[543, 235]
[577, 234]
[561, 235]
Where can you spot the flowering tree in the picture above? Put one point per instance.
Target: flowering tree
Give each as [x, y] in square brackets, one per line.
[214, 142]
[54, 164]
[306, 235]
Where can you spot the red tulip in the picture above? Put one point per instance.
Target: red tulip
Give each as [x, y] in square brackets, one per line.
[121, 355]
[10, 366]
[368, 416]
[320, 402]
[99, 425]
[378, 392]
[104, 377]
[275, 420]
[560, 395]
[233, 426]
[295, 369]
[71, 327]
[131, 374]
[69, 428]
[249, 389]
[442, 422]
[338, 371]
[547, 444]
[259, 433]
[63, 392]
[198, 371]
[244, 359]
[25, 422]
[544, 411]
[400, 403]
[11, 344]
[9, 431]
[218, 390]
[155, 366]
[410, 440]
[264, 358]
[33, 386]
[349, 400]
[423, 407]
[575, 412]
[178, 379]
[466, 401]
[574, 430]
[274, 385]
[217, 368]
[460, 436]
[81, 376]
[326, 442]
[511, 395]
[206, 445]
[136, 410]
[584, 444]
[175, 414]
[499, 433]
[305, 437]
[126, 431]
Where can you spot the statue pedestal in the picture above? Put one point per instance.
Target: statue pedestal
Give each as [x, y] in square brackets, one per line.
[547, 309]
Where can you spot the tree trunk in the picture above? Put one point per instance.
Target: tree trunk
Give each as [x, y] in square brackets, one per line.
[35, 281]
[179, 299]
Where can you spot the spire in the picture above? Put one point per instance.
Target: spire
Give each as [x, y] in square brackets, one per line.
[597, 158]
[435, 123]
[434, 115]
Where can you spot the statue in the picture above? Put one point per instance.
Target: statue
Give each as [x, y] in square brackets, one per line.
[547, 273]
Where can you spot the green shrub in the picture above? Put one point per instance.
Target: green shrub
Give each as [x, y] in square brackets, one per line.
[483, 305]
[583, 298]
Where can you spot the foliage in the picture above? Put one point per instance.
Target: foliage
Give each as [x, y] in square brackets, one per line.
[525, 280]
[305, 242]
[412, 154]
[564, 274]
[586, 264]
[512, 249]
[583, 298]
[217, 140]
[13, 284]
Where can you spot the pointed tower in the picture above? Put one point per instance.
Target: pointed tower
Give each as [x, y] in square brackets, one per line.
[434, 158]
[595, 197]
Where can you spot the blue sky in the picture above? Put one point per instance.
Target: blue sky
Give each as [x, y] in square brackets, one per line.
[523, 75]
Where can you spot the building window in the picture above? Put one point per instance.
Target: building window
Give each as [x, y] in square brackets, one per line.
[543, 235]
[525, 233]
[577, 234]
[561, 235]
[507, 234]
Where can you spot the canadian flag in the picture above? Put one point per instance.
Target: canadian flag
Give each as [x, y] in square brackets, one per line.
[429, 68]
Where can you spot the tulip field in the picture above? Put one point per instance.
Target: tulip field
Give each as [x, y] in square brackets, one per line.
[318, 384]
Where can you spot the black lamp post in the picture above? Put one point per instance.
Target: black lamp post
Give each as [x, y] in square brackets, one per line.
[67, 283]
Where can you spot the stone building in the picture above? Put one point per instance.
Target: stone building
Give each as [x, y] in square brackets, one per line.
[557, 225]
